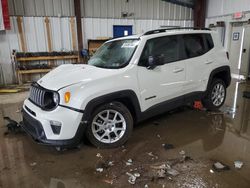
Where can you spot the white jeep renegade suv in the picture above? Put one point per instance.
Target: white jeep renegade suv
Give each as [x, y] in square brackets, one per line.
[126, 81]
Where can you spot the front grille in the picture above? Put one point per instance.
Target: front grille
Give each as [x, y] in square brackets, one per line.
[37, 95]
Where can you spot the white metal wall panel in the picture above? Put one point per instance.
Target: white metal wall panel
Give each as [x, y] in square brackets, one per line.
[66, 34]
[40, 34]
[225, 7]
[12, 35]
[5, 65]
[30, 34]
[56, 34]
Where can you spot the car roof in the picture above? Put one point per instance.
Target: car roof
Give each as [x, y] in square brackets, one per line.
[160, 34]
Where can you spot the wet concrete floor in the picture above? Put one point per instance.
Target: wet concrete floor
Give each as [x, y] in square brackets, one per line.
[205, 137]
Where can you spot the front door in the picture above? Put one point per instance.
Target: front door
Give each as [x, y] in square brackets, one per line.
[164, 82]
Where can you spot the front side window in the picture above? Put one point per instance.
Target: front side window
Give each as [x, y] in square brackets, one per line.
[166, 48]
[115, 54]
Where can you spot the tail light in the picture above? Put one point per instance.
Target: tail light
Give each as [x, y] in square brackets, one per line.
[227, 55]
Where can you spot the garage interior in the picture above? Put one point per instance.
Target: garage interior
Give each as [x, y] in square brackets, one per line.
[37, 36]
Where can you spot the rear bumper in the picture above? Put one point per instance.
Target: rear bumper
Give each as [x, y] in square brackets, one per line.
[34, 128]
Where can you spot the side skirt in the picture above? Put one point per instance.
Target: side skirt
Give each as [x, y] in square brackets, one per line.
[170, 105]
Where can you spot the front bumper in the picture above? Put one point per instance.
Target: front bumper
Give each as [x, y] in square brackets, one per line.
[36, 124]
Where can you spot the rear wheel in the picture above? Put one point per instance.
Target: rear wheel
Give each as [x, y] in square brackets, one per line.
[110, 126]
[216, 95]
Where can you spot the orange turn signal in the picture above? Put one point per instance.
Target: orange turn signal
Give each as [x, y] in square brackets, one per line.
[66, 97]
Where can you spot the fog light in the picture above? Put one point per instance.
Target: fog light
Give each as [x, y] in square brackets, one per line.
[56, 126]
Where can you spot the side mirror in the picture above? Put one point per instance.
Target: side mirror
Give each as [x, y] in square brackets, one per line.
[154, 61]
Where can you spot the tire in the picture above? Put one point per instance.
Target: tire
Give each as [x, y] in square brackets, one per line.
[102, 131]
[216, 95]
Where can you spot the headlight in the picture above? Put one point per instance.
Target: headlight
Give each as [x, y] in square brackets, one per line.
[56, 98]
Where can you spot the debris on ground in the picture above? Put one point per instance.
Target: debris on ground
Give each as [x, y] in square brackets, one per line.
[211, 171]
[33, 164]
[111, 163]
[98, 155]
[129, 162]
[159, 136]
[218, 166]
[19, 110]
[12, 126]
[132, 177]
[172, 172]
[108, 181]
[146, 186]
[152, 155]
[161, 173]
[99, 170]
[238, 164]
[182, 152]
[168, 146]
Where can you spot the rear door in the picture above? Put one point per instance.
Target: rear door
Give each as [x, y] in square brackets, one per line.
[164, 82]
[199, 61]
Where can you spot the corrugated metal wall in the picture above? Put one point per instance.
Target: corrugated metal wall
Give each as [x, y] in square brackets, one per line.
[41, 7]
[139, 9]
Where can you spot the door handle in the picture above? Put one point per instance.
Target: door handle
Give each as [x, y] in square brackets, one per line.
[209, 62]
[176, 70]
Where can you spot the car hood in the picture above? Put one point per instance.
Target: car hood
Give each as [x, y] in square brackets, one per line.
[66, 75]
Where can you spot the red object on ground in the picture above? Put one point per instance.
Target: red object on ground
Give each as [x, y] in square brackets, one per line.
[198, 105]
[6, 17]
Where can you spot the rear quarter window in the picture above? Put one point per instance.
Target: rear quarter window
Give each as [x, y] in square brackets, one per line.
[197, 44]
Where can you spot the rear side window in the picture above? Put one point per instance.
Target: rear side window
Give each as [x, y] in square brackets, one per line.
[167, 48]
[197, 44]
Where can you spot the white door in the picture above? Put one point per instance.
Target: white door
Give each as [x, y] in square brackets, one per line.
[235, 47]
[239, 49]
[164, 82]
[245, 61]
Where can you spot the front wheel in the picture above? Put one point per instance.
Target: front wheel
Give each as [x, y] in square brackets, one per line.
[216, 95]
[110, 126]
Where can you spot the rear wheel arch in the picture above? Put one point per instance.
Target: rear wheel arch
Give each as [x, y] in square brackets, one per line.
[222, 73]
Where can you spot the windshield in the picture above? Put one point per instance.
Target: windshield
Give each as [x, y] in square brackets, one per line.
[116, 54]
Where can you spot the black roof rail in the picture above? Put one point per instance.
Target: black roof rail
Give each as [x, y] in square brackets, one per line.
[173, 28]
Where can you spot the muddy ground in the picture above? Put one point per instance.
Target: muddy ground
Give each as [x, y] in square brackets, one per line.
[199, 139]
